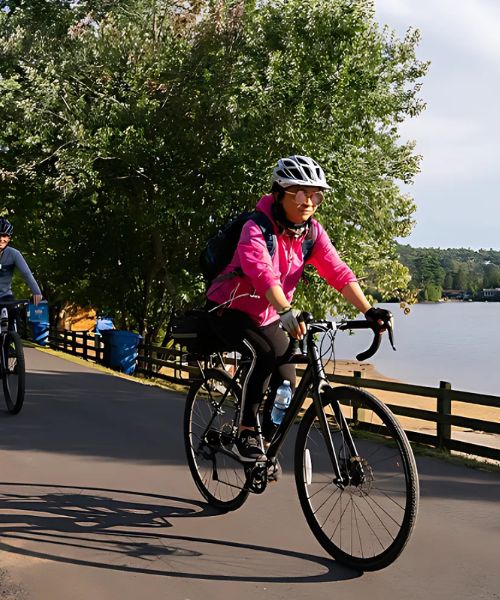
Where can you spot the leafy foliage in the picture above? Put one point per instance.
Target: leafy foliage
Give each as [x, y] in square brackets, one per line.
[133, 129]
[452, 269]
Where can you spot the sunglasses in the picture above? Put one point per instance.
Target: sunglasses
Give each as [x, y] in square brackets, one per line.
[301, 196]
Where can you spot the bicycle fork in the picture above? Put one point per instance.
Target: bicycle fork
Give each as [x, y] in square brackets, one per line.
[342, 476]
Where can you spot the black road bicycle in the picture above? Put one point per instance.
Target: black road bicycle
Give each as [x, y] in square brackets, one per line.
[355, 471]
[12, 366]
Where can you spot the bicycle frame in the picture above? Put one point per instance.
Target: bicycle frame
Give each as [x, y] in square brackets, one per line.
[9, 322]
[5, 321]
[314, 378]
[4, 325]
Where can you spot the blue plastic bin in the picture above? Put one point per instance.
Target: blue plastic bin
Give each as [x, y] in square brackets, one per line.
[120, 349]
[103, 324]
[39, 313]
[40, 333]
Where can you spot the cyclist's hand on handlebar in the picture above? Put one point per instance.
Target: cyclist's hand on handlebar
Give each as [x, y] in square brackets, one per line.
[292, 323]
[37, 298]
[379, 315]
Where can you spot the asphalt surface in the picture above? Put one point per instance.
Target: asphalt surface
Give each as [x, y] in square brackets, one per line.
[96, 501]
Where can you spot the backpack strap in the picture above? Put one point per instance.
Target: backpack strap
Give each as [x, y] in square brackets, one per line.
[266, 227]
[308, 242]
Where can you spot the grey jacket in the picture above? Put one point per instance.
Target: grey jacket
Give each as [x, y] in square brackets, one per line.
[12, 259]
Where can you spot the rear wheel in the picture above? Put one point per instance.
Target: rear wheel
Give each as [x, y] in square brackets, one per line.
[14, 376]
[365, 518]
[210, 430]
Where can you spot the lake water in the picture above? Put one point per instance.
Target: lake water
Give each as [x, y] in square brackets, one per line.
[457, 342]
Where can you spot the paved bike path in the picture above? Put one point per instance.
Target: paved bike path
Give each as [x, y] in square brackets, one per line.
[96, 502]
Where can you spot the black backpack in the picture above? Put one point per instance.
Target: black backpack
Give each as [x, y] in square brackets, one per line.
[220, 248]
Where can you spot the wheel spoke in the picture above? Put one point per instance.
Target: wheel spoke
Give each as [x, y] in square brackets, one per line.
[211, 411]
[366, 518]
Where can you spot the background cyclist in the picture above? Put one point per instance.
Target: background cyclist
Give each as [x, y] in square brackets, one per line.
[251, 306]
[10, 260]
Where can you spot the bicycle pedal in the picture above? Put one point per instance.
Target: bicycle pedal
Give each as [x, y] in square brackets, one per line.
[257, 477]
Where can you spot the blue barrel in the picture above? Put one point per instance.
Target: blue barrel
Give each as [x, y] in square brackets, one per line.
[40, 333]
[38, 313]
[120, 349]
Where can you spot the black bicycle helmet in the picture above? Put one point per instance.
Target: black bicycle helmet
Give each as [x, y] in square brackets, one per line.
[6, 227]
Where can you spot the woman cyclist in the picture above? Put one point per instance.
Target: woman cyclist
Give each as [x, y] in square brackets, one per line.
[11, 259]
[255, 305]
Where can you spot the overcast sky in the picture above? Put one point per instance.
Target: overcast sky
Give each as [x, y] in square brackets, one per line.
[457, 192]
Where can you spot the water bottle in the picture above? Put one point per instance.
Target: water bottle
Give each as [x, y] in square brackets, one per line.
[281, 402]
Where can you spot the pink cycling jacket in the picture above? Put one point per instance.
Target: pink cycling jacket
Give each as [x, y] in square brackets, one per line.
[261, 271]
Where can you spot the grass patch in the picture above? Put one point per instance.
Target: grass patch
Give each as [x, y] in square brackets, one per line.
[457, 458]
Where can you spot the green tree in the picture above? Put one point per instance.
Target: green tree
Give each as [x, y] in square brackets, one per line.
[135, 129]
[491, 276]
[470, 270]
[430, 293]
[460, 278]
[448, 281]
[428, 269]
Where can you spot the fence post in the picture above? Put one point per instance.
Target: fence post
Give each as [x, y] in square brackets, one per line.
[444, 413]
[85, 347]
[358, 414]
[357, 374]
[97, 347]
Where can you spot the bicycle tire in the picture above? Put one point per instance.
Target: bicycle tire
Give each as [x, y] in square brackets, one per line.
[14, 372]
[367, 524]
[210, 410]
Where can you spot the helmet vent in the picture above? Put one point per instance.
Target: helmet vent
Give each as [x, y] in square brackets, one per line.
[299, 170]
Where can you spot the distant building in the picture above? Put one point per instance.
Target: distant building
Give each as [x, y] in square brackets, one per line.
[454, 294]
[491, 294]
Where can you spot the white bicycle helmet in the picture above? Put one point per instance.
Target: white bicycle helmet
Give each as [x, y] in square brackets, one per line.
[299, 170]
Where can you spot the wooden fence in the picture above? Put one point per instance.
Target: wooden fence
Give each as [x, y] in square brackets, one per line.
[441, 417]
[85, 344]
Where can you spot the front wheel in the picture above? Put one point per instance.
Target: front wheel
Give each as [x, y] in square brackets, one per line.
[13, 371]
[365, 517]
[210, 430]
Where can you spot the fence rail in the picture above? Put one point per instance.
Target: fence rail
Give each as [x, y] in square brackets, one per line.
[175, 366]
[85, 344]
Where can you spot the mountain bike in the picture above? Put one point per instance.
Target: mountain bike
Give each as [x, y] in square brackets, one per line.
[355, 471]
[12, 364]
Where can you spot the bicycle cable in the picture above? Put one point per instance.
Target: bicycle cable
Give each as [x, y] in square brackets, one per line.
[327, 351]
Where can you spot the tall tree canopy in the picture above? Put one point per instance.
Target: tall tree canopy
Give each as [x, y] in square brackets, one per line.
[460, 269]
[133, 129]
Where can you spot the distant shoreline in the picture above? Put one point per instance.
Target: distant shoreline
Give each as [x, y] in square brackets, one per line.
[368, 370]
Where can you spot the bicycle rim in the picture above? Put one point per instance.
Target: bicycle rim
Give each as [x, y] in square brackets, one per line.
[14, 372]
[366, 519]
[209, 433]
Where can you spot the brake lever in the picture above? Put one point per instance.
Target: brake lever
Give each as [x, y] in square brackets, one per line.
[390, 332]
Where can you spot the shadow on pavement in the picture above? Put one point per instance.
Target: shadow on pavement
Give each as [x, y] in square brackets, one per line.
[442, 479]
[90, 413]
[126, 531]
